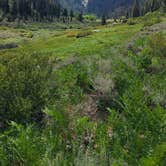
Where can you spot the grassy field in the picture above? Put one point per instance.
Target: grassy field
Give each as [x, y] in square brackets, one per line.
[64, 43]
[84, 95]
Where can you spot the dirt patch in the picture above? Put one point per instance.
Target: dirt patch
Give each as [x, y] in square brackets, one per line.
[62, 64]
[89, 108]
[7, 34]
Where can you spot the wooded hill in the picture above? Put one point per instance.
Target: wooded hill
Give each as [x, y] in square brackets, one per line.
[119, 7]
[37, 10]
[25, 9]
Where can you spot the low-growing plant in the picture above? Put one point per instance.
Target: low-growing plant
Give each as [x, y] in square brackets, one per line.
[90, 17]
[72, 34]
[151, 21]
[157, 44]
[137, 129]
[83, 33]
[27, 35]
[131, 21]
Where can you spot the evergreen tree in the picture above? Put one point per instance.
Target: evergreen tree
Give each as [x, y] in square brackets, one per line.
[58, 11]
[164, 6]
[71, 15]
[80, 17]
[155, 5]
[103, 20]
[136, 9]
[65, 15]
[14, 9]
[4, 5]
[34, 9]
[127, 14]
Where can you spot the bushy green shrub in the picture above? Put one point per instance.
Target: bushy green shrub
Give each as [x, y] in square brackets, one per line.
[144, 60]
[73, 82]
[131, 21]
[21, 146]
[90, 17]
[151, 21]
[137, 129]
[157, 44]
[83, 34]
[56, 144]
[24, 88]
[157, 157]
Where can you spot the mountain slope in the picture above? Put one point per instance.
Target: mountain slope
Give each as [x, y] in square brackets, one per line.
[77, 5]
[98, 7]
[107, 6]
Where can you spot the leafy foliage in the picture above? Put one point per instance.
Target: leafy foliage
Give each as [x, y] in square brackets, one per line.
[41, 114]
[24, 87]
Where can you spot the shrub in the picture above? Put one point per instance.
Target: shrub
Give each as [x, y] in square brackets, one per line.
[157, 157]
[157, 44]
[151, 21]
[24, 89]
[83, 34]
[144, 61]
[72, 34]
[79, 34]
[27, 35]
[8, 46]
[137, 130]
[131, 21]
[90, 17]
[83, 79]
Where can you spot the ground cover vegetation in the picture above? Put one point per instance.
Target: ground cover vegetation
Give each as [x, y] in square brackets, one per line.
[84, 94]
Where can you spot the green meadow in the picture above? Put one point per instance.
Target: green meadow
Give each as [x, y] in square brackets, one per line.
[82, 94]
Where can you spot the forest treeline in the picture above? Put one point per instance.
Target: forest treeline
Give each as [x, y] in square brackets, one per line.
[34, 10]
[139, 9]
[38, 10]
[116, 8]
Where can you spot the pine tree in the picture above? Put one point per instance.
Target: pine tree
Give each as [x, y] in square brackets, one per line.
[4, 5]
[71, 15]
[65, 15]
[14, 9]
[136, 9]
[58, 11]
[164, 6]
[36, 10]
[127, 14]
[80, 17]
[155, 5]
[103, 20]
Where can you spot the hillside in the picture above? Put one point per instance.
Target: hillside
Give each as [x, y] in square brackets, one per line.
[110, 7]
[82, 83]
[77, 5]
[65, 11]
[96, 6]
[107, 6]
[82, 93]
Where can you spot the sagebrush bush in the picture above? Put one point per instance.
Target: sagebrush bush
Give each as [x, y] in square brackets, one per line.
[157, 44]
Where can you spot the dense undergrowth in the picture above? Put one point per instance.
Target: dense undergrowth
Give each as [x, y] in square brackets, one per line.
[43, 103]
